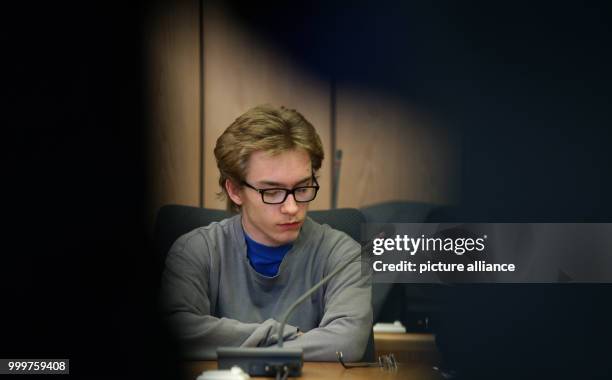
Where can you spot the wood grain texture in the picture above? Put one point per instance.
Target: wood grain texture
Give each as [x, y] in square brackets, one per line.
[392, 152]
[173, 79]
[240, 72]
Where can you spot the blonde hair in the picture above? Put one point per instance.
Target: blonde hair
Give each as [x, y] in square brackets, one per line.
[263, 128]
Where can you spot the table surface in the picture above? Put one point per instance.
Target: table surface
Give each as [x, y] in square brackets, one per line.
[417, 348]
[320, 370]
[424, 338]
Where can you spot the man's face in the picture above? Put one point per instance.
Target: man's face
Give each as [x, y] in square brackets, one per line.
[274, 224]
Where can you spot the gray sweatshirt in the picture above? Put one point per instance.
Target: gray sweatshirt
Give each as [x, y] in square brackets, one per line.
[213, 297]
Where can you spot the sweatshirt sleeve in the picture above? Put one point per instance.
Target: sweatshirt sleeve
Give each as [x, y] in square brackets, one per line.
[186, 304]
[347, 321]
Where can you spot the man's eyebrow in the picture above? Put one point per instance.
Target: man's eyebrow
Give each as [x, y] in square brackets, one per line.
[277, 184]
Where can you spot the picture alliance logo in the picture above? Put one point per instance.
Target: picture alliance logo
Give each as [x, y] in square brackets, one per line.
[411, 245]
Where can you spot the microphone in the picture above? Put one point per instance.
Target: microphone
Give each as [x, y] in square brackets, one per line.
[271, 361]
[321, 283]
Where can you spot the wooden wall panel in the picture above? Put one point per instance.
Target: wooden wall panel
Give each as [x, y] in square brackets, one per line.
[240, 71]
[173, 80]
[392, 152]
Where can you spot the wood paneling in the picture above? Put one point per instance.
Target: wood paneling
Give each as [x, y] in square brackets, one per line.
[392, 152]
[173, 81]
[240, 72]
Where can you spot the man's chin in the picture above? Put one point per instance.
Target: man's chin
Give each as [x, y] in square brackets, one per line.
[287, 237]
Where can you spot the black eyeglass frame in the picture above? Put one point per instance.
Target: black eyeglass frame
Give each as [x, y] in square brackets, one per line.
[287, 191]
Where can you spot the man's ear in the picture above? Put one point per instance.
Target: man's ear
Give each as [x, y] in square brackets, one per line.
[233, 191]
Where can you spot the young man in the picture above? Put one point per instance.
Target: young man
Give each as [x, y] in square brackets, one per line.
[227, 284]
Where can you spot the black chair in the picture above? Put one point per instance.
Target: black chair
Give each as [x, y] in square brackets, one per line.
[176, 220]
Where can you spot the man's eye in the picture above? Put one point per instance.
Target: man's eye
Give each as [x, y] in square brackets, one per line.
[301, 190]
[273, 193]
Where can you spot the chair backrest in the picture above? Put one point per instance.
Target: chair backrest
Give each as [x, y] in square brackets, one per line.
[176, 220]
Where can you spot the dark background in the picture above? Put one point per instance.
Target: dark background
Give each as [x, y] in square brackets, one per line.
[526, 84]
[78, 280]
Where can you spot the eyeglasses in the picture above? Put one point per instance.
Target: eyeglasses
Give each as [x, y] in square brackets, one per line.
[274, 196]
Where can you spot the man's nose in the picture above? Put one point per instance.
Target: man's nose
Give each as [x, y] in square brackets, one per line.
[290, 206]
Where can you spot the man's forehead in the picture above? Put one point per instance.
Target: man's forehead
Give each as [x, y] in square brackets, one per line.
[287, 168]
